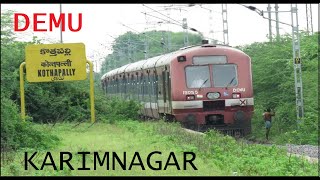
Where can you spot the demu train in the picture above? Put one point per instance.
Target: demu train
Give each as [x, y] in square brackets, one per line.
[202, 87]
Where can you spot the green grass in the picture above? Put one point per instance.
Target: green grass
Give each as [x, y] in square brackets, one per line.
[107, 138]
[216, 155]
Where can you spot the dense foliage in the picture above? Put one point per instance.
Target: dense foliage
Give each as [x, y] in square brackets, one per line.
[16, 134]
[273, 81]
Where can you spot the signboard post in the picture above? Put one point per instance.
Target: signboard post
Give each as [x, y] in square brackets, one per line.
[56, 62]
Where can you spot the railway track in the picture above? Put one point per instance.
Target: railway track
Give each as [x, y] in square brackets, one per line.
[308, 152]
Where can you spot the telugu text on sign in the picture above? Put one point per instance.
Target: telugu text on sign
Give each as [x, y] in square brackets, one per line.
[56, 62]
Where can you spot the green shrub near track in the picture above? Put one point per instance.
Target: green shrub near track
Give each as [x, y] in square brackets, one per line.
[216, 155]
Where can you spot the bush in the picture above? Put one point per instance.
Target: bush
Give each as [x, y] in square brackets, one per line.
[117, 109]
[16, 134]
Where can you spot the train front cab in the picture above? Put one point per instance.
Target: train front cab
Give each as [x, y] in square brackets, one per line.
[212, 88]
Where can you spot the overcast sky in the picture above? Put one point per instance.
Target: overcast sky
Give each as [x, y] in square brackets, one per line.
[101, 21]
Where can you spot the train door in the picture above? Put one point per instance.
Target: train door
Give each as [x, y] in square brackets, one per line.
[145, 95]
[126, 93]
[111, 86]
[134, 86]
[149, 105]
[164, 93]
[169, 91]
[153, 94]
[121, 86]
[104, 86]
[129, 88]
[166, 90]
[160, 90]
[117, 86]
[107, 86]
[150, 88]
[141, 92]
[140, 87]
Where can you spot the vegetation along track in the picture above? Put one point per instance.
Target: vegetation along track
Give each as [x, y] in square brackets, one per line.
[309, 152]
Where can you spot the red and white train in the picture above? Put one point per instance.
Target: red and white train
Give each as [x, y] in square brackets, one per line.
[205, 86]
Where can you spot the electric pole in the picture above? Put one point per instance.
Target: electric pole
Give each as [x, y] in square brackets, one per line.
[297, 61]
[129, 49]
[309, 19]
[225, 24]
[145, 46]
[276, 7]
[145, 39]
[168, 41]
[270, 27]
[162, 42]
[211, 32]
[116, 57]
[168, 33]
[185, 30]
[61, 25]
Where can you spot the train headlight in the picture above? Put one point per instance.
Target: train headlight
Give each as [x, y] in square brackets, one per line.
[214, 95]
[190, 97]
[181, 58]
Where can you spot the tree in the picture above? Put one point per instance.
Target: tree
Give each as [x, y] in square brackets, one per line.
[130, 47]
[7, 34]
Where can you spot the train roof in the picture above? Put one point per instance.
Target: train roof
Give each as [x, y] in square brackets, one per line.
[122, 68]
[160, 60]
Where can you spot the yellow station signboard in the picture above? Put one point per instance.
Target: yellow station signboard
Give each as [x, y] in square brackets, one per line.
[56, 62]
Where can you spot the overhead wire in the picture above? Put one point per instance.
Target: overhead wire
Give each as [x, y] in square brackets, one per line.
[162, 14]
[145, 35]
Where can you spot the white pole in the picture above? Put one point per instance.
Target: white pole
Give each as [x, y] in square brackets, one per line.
[61, 25]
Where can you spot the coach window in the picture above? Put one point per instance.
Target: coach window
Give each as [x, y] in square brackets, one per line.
[225, 75]
[197, 76]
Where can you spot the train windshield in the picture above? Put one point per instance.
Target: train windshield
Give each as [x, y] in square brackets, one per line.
[224, 75]
[198, 76]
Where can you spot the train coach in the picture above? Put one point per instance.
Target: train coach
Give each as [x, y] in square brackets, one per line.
[203, 87]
